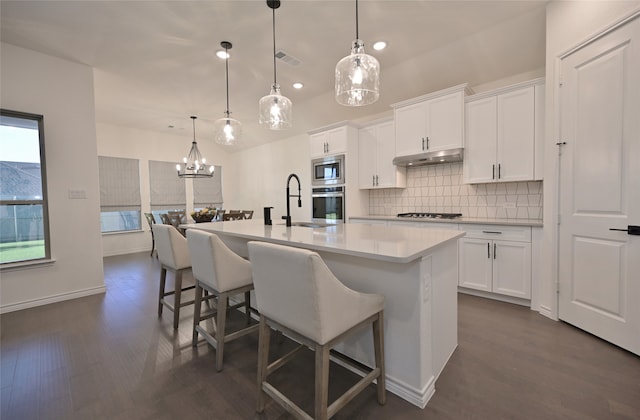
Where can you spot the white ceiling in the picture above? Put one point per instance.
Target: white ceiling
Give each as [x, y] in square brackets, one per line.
[155, 62]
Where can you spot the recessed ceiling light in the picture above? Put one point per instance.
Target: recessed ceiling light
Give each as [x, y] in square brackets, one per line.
[380, 45]
[223, 54]
[298, 85]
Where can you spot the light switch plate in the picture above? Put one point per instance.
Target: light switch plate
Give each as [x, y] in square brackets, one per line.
[77, 193]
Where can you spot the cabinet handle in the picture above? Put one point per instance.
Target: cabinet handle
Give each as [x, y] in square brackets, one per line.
[377, 181]
[427, 142]
[488, 250]
[493, 171]
[492, 231]
[494, 251]
[499, 171]
[423, 143]
[373, 180]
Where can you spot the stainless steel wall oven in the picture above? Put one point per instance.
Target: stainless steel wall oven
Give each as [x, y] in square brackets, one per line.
[328, 204]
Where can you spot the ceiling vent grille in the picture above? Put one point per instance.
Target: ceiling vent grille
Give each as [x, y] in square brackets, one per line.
[287, 58]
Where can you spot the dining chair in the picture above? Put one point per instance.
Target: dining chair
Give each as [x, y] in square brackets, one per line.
[222, 274]
[248, 214]
[232, 216]
[297, 294]
[173, 254]
[177, 218]
[165, 219]
[151, 221]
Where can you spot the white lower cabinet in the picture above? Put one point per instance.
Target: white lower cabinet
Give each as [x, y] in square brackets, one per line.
[496, 259]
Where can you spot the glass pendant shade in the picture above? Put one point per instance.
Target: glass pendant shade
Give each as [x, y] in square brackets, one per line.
[227, 130]
[275, 110]
[194, 165]
[357, 77]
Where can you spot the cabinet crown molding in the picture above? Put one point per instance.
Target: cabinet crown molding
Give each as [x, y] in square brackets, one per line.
[498, 91]
[332, 126]
[464, 87]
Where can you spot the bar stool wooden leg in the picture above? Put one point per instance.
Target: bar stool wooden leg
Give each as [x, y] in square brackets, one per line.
[263, 361]
[322, 381]
[176, 302]
[247, 306]
[163, 280]
[196, 313]
[378, 349]
[221, 319]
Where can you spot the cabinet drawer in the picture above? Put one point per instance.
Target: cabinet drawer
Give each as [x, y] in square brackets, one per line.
[498, 232]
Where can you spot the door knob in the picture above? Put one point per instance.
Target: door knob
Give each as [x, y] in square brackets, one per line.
[631, 230]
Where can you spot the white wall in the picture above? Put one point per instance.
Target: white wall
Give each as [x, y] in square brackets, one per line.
[568, 24]
[62, 91]
[126, 142]
[259, 178]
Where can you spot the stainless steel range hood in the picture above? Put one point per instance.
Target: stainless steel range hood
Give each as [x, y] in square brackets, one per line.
[430, 158]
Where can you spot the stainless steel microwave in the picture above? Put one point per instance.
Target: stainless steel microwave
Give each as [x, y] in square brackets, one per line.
[328, 170]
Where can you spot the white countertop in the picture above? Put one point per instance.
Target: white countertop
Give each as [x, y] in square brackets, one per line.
[462, 220]
[380, 242]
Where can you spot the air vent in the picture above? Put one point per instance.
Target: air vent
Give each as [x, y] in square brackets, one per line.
[287, 58]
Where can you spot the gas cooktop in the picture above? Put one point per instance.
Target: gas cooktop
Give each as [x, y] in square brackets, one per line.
[431, 215]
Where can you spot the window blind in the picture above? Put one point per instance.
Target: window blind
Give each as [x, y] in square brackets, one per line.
[207, 192]
[167, 190]
[119, 184]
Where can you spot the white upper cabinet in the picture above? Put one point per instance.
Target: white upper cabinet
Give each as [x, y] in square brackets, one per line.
[331, 141]
[376, 149]
[431, 122]
[502, 129]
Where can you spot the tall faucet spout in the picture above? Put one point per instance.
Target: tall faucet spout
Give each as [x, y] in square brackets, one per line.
[289, 195]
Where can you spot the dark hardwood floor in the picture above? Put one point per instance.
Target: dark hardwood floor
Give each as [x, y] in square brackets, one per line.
[110, 357]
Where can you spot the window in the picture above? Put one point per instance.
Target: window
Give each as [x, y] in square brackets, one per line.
[119, 194]
[24, 220]
[167, 191]
[207, 192]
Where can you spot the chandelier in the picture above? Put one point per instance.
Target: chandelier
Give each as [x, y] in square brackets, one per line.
[194, 163]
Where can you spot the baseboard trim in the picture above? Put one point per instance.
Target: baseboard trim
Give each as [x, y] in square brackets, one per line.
[51, 299]
[417, 397]
[495, 296]
[125, 252]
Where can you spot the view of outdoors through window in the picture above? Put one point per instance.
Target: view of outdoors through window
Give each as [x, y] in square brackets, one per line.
[23, 223]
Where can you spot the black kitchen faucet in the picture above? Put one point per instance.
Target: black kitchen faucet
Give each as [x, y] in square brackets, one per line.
[289, 195]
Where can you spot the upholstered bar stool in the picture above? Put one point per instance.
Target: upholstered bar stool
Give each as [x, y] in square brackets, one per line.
[223, 274]
[173, 254]
[297, 294]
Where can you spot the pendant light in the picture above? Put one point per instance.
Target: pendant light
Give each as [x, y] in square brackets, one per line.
[357, 75]
[227, 130]
[275, 109]
[194, 164]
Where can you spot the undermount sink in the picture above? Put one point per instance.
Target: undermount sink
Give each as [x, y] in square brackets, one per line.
[309, 224]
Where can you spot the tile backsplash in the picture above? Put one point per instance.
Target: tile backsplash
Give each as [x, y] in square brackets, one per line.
[439, 189]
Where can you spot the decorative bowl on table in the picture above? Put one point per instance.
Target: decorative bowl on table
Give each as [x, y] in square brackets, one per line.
[204, 215]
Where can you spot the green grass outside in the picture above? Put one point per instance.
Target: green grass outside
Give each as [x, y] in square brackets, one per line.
[21, 251]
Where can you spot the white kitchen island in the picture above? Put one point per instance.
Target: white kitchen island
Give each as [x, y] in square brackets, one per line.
[415, 269]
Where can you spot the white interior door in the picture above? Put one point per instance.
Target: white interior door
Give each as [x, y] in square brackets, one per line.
[599, 269]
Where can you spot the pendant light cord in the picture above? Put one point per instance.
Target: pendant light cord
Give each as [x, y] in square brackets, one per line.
[274, 46]
[194, 128]
[226, 61]
[357, 37]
